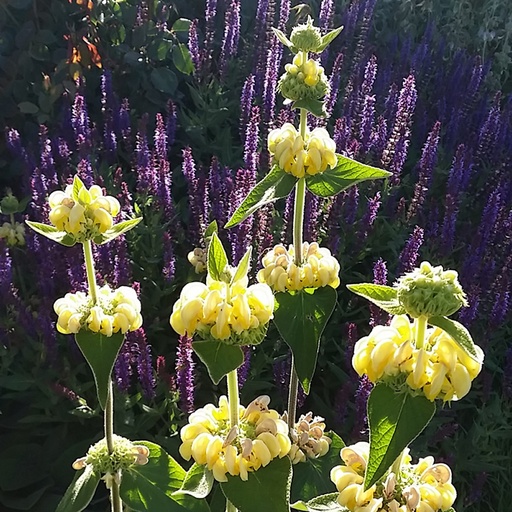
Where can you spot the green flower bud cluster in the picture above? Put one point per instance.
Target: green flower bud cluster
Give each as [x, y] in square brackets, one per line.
[430, 291]
[124, 455]
[9, 204]
[303, 80]
[306, 38]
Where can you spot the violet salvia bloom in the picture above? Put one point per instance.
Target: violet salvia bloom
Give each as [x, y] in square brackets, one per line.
[81, 124]
[160, 138]
[263, 229]
[342, 399]
[243, 371]
[209, 36]
[85, 172]
[251, 155]
[288, 218]
[325, 21]
[477, 487]
[449, 222]
[341, 134]
[370, 73]
[501, 302]
[47, 165]
[231, 35]
[6, 274]
[350, 204]
[489, 132]
[460, 171]
[185, 373]
[378, 137]
[281, 370]
[333, 223]
[426, 168]
[369, 216]
[366, 122]
[311, 214]
[352, 336]
[361, 400]
[260, 40]
[284, 14]
[171, 122]
[123, 370]
[334, 82]
[216, 193]
[275, 52]
[401, 130]
[468, 314]
[143, 161]
[169, 265]
[193, 47]
[409, 256]
[197, 199]
[144, 362]
[380, 276]
[246, 99]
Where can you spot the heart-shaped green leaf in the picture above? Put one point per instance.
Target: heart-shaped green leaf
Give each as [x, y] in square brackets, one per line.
[198, 481]
[219, 358]
[459, 334]
[81, 491]
[151, 487]
[100, 352]
[265, 489]
[275, 185]
[300, 318]
[395, 420]
[217, 258]
[347, 172]
[309, 477]
[381, 295]
[323, 503]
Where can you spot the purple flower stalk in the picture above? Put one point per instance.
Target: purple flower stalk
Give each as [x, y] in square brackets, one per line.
[409, 256]
[209, 15]
[193, 47]
[361, 399]
[369, 216]
[380, 276]
[246, 100]
[185, 374]
[243, 371]
[334, 81]
[171, 122]
[231, 35]
[251, 155]
[169, 265]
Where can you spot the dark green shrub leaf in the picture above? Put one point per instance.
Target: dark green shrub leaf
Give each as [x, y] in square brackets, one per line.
[310, 477]
[300, 318]
[151, 487]
[395, 420]
[217, 260]
[459, 334]
[266, 489]
[219, 358]
[81, 491]
[347, 172]
[164, 80]
[100, 352]
[52, 233]
[118, 229]
[323, 503]
[26, 107]
[198, 482]
[182, 60]
[385, 297]
[316, 107]
[275, 185]
[181, 25]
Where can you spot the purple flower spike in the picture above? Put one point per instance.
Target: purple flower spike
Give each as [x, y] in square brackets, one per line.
[243, 371]
[251, 155]
[380, 276]
[409, 256]
[144, 362]
[185, 374]
[193, 47]
[231, 35]
[246, 100]
[169, 266]
[361, 399]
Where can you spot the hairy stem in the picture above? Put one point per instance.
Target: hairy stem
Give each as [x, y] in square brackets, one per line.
[108, 423]
[420, 325]
[234, 403]
[89, 267]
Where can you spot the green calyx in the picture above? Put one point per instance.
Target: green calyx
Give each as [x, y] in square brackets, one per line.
[430, 291]
[124, 455]
[306, 37]
[293, 87]
[9, 204]
[252, 336]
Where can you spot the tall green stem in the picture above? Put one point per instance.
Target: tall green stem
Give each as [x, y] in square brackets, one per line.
[234, 405]
[420, 325]
[89, 267]
[108, 424]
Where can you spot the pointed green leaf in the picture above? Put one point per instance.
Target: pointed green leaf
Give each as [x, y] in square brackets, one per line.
[282, 37]
[275, 185]
[316, 107]
[347, 172]
[182, 60]
[323, 503]
[81, 491]
[309, 478]
[328, 38]
[269, 485]
[212, 228]
[198, 482]
[385, 297]
[459, 334]
[52, 233]
[151, 487]
[100, 352]
[243, 266]
[219, 358]
[77, 187]
[181, 25]
[119, 228]
[217, 259]
[395, 420]
[300, 318]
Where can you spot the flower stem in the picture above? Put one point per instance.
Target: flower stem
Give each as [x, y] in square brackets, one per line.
[115, 498]
[420, 325]
[89, 268]
[234, 403]
[293, 391]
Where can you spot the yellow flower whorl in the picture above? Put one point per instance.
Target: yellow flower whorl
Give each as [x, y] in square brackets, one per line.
[115, 311]
[299, 156]
[319, 268]
[441, 369]
[14, 234]
[260, 437]
[308, 439]
[425, 486]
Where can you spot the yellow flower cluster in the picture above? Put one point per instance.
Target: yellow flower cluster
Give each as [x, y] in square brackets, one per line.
[197, 258]
[308, 439]
[229, 312]
[440, 369]
[114, 311]
[299, 156]
[260, 437]
[319, 268]
[421, 487]
[14, 234]
[83, 215]
[307, 71]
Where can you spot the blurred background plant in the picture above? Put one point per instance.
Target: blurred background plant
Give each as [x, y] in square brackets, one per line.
[168, 105]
